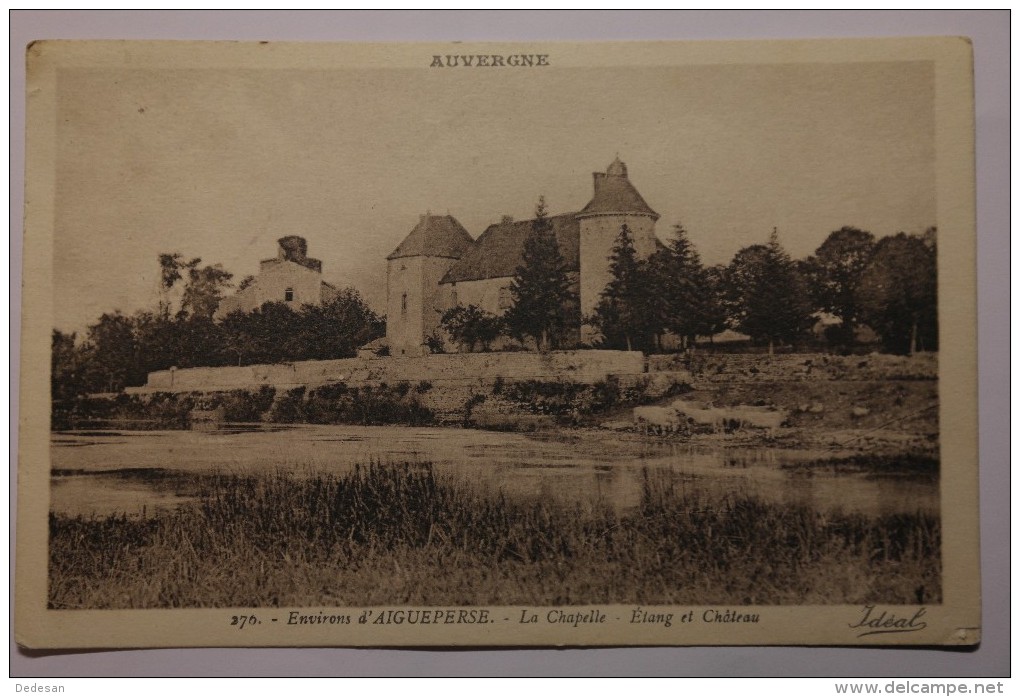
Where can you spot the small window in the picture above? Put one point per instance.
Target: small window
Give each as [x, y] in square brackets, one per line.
[288, 295]
[506, 300]
[403, 303]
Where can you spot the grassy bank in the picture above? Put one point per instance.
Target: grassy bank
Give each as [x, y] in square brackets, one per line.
[402, 535]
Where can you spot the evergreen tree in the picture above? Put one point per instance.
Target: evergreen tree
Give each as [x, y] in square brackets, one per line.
[625, 315]
[766, 294]
[687, 302]
[714, 312]
[739, 281]
[541, 288]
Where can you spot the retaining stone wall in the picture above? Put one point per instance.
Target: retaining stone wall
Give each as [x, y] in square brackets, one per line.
[455, 368]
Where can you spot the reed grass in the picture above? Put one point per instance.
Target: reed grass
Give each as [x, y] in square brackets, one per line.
[401, 534]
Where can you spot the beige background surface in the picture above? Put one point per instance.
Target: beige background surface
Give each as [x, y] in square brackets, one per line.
[385, 658]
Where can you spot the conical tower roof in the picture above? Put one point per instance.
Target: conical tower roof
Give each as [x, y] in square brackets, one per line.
[615, 194]
[435, 236]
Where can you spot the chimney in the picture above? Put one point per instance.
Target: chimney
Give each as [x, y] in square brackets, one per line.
[598, 177]
[507, 219]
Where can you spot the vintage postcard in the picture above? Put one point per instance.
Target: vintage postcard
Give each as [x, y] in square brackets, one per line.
[499, 345]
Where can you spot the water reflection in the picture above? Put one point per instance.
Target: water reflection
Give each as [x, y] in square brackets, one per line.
[581, 468]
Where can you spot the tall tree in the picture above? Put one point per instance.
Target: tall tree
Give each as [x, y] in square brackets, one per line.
[112, 353]
[335, 329]
[204, 286]
[267, 334]
[170, 265]
[625, 314]
[767, 294]
[67, 379]
[899, 293]
[686, 298]
[205, 289]
[199, 342]
[740, 280]
[541, 289]
[715, 317]
[157, 336]
[241, 337]
[835, 272]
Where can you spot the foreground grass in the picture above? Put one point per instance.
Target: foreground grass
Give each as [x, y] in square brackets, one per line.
[401, 535]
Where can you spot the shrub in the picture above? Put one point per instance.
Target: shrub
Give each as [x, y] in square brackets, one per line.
[472, 402]
[166, 410]
[367, 405]
[606, 394]
[244, 406]
[288, 408]
[569, 400]
[434, 343]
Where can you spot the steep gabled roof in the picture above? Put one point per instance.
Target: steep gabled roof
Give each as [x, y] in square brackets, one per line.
[499, 250]
[435, 236]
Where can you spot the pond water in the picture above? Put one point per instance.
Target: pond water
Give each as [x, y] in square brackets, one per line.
[99, 472]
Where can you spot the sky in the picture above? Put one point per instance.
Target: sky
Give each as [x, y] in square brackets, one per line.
[220, 163]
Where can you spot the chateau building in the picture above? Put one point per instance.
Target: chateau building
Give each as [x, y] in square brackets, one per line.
[291, 277]
[439, 266]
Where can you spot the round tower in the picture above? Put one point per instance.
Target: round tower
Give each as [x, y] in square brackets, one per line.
[413, 272]
[615, 203]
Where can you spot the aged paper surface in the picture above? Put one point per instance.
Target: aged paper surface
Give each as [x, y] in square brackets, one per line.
[354, 467]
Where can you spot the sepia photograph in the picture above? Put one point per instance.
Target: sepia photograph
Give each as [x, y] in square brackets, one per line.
[499, 344]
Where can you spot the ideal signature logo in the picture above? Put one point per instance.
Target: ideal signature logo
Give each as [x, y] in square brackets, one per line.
[887, 622]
